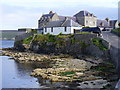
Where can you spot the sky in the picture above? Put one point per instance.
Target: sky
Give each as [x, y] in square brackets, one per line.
[16, 14]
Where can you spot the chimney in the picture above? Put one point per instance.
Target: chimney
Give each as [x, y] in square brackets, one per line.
[108, 21]
[50, 12]
[64, 21]
[66, 18]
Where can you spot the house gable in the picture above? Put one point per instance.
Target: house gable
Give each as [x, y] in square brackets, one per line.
[86, 19]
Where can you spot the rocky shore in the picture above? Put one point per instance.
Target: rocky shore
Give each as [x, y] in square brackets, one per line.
[65, 68]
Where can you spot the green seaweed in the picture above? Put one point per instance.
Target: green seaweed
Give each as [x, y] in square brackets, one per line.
[66, 73]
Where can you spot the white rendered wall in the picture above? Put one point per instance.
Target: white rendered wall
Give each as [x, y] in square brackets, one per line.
[58, 30]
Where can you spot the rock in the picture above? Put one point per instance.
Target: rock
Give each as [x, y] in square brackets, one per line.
[79, 73]
[21, 58]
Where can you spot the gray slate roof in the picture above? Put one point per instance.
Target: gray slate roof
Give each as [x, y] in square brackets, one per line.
[63, 18]
[63, 23]
[83, 13]
[48, 15]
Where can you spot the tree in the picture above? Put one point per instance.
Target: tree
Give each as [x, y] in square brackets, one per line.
[119, 24]
[107, 19]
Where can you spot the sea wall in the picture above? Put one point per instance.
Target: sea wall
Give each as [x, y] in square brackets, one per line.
[23, 36]
[116, 33]
[79, 44]
[115, 57]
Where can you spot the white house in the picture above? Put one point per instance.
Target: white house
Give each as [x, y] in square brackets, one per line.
[67, 26]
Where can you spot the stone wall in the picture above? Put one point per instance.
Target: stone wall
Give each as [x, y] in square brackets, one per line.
[118, 34]
[115, 57]
[76, 49]
[23, 36]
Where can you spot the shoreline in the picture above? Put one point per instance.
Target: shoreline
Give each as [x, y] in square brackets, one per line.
[63, 68]
[7, 39]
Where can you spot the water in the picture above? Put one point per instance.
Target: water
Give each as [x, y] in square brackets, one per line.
[16, 75]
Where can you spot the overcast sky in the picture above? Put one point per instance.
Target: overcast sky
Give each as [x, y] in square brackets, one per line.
[16, 14]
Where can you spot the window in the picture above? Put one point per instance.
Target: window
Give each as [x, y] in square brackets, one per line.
[51, 29]
[65, 29]
[45, 29]
[86, 22]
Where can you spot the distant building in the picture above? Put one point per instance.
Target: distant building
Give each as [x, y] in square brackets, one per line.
[85, 18]
[110, 24]
[26, 30]
[114, 24]
[66, 26]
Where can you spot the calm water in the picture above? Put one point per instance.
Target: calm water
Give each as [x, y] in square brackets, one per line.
[16, 75]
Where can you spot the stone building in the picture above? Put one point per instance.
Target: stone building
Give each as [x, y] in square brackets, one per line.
[45, 18]
[86, 18]
[107, 24]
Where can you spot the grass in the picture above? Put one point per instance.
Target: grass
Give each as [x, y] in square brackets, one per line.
[34, 31]
[98, 42]
[50, 38]
[64, 36]
[27, 40]
[84, 32]
[116, 30]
